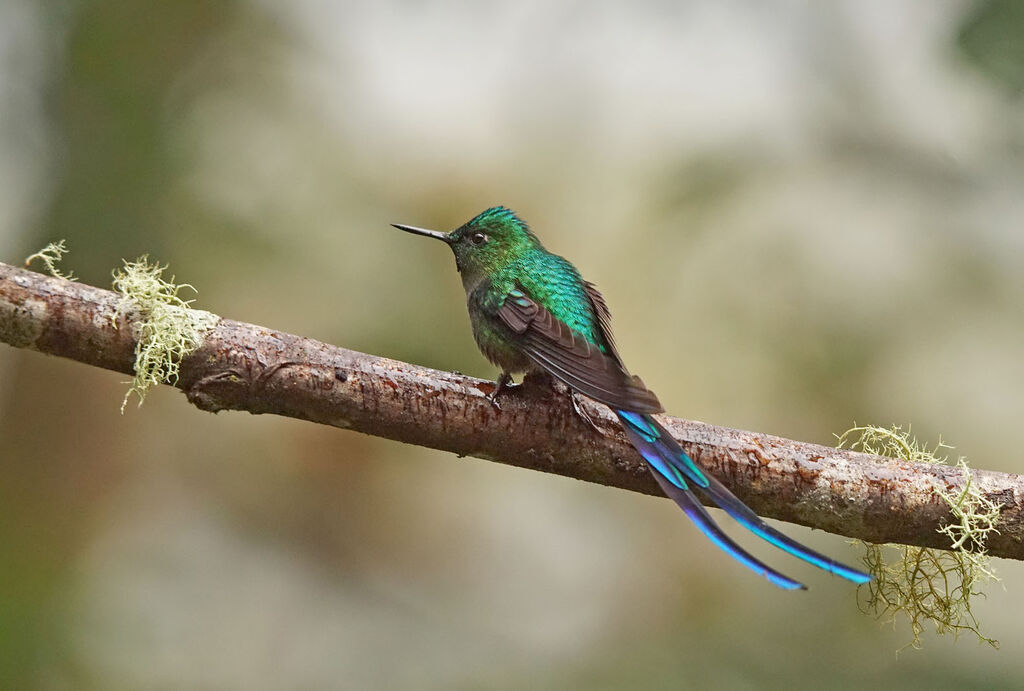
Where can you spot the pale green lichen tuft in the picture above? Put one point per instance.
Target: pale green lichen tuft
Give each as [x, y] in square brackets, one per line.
[166, 329]
[51, 256]
[926, 584]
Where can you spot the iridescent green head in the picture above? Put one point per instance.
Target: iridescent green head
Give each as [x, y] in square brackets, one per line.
[488, 242]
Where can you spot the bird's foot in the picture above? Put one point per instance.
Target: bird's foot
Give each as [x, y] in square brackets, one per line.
[535, 378]
[582, 413]
[503, 383]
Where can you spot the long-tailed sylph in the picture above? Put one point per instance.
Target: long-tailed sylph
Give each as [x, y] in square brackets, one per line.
[531, 311]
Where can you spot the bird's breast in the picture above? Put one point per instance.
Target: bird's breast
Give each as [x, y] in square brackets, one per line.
[496, 345]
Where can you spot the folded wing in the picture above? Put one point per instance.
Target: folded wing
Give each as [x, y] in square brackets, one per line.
[567, 355]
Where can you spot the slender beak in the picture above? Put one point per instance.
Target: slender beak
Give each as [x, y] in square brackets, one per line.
[436, 234]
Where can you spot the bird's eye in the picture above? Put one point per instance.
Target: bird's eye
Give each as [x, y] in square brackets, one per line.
[478, 238]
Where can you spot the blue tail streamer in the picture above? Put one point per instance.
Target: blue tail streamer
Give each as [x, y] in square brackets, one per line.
[675, 471]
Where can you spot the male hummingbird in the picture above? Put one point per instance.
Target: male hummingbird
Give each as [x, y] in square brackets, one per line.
[531, 311]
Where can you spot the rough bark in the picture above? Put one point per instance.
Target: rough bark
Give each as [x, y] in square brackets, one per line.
[247, 367]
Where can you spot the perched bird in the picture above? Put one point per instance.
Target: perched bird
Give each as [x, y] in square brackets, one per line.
[531, 311]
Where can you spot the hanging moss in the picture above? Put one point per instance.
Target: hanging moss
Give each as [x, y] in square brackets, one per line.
[922, 584]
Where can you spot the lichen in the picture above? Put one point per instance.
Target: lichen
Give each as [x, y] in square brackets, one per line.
[51, 256]
[921, 583]
[165, 327]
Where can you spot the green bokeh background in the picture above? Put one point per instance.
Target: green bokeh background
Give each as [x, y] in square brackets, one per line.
[801, 216]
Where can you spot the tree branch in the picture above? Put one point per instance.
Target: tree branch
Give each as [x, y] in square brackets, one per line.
[246, 367]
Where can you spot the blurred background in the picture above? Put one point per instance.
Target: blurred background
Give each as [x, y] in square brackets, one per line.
[802, 215]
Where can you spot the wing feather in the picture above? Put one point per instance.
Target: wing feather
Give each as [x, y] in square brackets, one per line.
[567, 355]
[604, 317]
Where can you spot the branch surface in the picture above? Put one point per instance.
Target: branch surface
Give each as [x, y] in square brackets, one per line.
[247, 367]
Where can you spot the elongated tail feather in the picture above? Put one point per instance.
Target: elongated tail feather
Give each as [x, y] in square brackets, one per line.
[674, 469]
[671, 462]
[752, 522]
[689, 503]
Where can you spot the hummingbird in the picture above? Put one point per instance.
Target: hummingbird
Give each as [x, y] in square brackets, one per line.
[532, 312]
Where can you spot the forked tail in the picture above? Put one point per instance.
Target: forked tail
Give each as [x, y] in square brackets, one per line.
[675, 471]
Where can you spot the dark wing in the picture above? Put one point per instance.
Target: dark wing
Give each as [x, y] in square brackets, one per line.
[604, 317]
[554, 347]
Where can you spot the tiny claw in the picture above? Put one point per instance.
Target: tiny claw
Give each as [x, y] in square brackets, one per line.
[500, 385]
[493, 398]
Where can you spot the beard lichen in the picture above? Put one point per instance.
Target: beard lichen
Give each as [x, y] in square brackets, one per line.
[921, 583]
[51, 256]
[165, 327]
